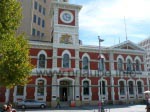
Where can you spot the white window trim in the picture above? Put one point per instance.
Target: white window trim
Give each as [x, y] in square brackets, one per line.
[87, 97]
[86, 55]
[138, 58]
[105, 97]
[19, 97]
[42, 52]
[104, 62]
[66, 52]
[130, 58]
[134, 89]
[121, 57]
[45, 90]
[140, 96]
[122, 97]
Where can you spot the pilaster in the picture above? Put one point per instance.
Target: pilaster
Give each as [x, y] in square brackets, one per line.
[54, 58]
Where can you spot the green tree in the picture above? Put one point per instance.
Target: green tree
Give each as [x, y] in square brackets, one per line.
[10, 16]
[15, 65]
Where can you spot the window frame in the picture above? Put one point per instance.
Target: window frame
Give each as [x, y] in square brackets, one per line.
[66, 60]
[40, 87]
[85, 63]
[42, 61]
[35, 5]
[19, 88]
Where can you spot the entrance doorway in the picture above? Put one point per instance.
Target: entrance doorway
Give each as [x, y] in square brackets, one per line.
[63, 93]
[65, 90]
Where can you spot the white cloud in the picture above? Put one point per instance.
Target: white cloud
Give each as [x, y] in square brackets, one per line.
[106, 17]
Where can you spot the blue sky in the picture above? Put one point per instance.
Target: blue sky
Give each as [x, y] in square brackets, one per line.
[105, 18]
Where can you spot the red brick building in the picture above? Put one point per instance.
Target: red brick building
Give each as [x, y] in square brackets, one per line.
[82, 73]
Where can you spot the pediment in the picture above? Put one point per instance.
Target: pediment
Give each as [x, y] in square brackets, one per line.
[128, 45]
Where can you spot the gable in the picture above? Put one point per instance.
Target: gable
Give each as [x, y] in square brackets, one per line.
[128, 45]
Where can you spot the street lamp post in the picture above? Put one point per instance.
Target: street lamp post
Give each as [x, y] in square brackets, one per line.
[99, 59]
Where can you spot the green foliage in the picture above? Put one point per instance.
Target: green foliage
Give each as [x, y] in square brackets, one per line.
[10, 16]
[15, 66]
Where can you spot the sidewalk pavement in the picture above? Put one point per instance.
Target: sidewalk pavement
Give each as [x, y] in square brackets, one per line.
[109, 108]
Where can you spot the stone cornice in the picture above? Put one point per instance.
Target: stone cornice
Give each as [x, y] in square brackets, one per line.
[108, 50]
[40, 45]
[65, 5]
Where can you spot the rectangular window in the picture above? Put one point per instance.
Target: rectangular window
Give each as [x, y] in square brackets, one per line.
[43, 11]
[42, 34]
[20, 90]
[131, 90]
[40, 8]
[44, 1]
[33, 32]
[40, 89]
[102, 88]
[122, 88]
[43, 23]
[39, 20]
[35, 4]
[34, 18]
[85, 88]
[38, 33]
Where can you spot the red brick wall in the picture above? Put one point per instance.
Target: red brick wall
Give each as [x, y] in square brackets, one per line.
[31, 89]
[2, 94]
[35, 51]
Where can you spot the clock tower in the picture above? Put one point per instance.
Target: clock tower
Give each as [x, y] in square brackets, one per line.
[65, 39]
[64, 24]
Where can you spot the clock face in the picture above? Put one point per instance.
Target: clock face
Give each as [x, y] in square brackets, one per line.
[66, 16]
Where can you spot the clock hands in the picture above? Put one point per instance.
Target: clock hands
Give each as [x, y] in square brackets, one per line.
[66, 17]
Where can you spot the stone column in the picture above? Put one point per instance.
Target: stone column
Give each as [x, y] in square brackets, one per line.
[77, 59]
[147, 84]
[55, 88]
[112, 89]
[111, 63]
[77, 91]
[7, 94]
[54, 58]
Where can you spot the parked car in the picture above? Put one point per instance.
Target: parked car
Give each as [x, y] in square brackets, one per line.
[31, 104]
[1, 110]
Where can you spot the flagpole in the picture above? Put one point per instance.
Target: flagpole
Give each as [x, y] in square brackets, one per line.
[125, 30]
[99, 58]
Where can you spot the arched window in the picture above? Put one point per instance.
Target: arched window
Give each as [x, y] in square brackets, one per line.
[101, 64]
[85, 63]
[102, 87]
[40, 87]
[122, 88]
[42, 63]
[129, 65]
[120, 64]
[131, 87]
[66, 61]
[20, 90]
[139, 87]
[86, 88]
[137, 65]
